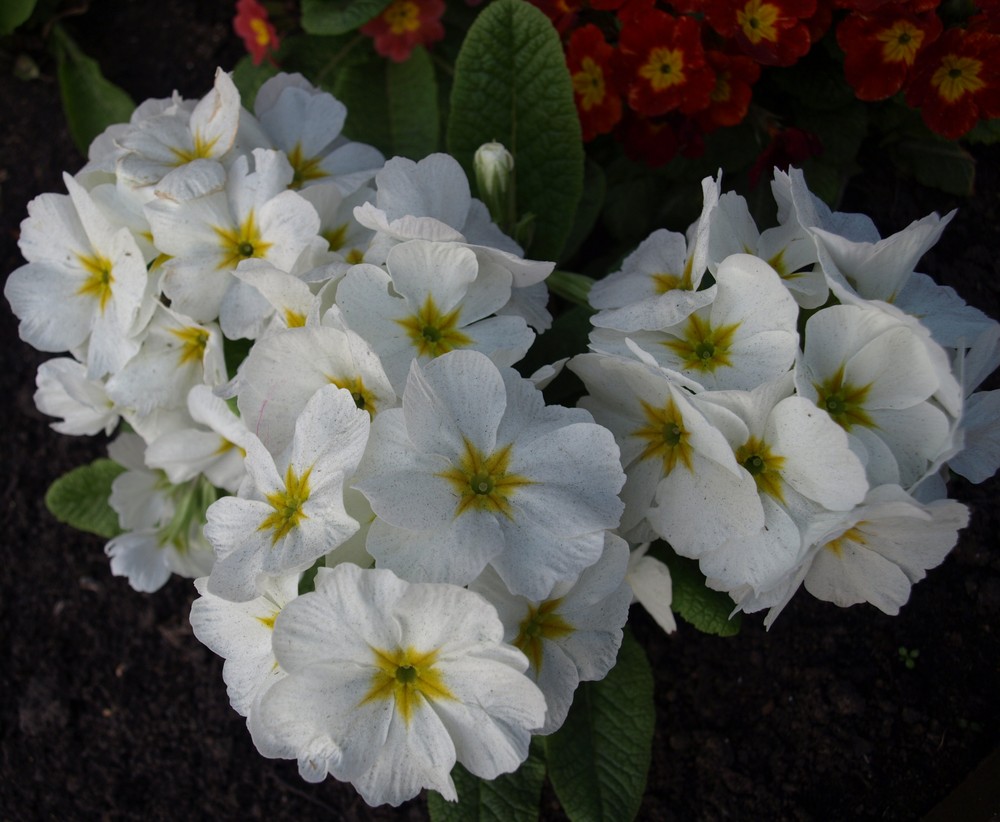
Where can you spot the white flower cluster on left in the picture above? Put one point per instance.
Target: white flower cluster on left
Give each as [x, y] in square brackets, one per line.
[313, 350]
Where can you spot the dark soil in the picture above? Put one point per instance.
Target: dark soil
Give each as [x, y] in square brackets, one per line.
[111, 709]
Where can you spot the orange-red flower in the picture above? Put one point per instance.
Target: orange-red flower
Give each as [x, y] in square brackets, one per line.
[956, 81]
[735, 74]
[647, 141]
[405, 24]
[595, 89]
[663, 64]
[880, 49]
[772, 32]
[254, 26]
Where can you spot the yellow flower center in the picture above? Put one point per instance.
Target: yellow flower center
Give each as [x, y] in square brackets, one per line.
[901, 42]
[433, 333]
[957, 76]
[665, 436]
[287, 505]
[757, 20]
[704, 348]
[260, 32]
[305, 168]
[363, 398]
[407, 677]
[241, 243]
[836, 546]
[844, 402]
[294, 319]
[664, 68]
[402, 16]
[764, 466]
[542, 622]
[482, 482]
[588, 83]
[194, 341]
[99, 279]
[200, 150]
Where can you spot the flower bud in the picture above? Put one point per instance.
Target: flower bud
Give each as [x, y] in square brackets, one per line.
[494, 167]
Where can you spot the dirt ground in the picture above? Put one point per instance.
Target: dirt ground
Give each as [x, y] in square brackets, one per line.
[111, 709]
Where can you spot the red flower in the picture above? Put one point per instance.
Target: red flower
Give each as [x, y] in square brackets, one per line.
[956, 81]
[404, 25]
[788, 147]
[772, 32]
[595, 89]
[253, 25]
[646, 141]
[730, 99]
[663, 64]
[879, 50]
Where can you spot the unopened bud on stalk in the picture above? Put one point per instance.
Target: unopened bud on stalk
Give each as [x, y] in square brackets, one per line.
[494, 167]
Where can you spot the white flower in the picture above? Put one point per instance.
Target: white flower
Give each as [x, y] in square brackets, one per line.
[285, 521]
[241, 632]
[574, 634]
[474, 469]
[65, 391]
[436, 298]
[390, 683]
[652, 586]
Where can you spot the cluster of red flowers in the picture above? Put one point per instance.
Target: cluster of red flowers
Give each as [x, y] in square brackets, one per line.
[662, 75]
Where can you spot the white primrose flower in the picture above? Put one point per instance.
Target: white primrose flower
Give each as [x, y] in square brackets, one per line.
[250, 214]
[435, 298]
[346, 238]
[85, 282]
[166, 143]
[980, 457]
[744, 336]
[177, 354]
[789, 249]
[217, 452]
[240, 632]
[285, 521]
[306, 123]
[390, 683]
[65, 391]
[677, 458]
[474, 469]
[658, 283]
[652, 586]
[265, 299]
[875, 375]
[802, 465]
[574, 634]
[284, 369]
[162, 521]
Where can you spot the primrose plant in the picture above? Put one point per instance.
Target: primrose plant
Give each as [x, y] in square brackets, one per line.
[409, 557]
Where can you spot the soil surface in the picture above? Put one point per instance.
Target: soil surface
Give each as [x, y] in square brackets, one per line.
[111, 709]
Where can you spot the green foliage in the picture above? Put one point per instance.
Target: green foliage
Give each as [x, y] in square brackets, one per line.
[512, 86]
[938, 163]
[588, 210]
[338, 16]
[513, 797]
[248, 78]
[599, 758]
[80, 498]
[985, 132]
[91, 103]
[13, 13]
[393, 106]
[705, 609]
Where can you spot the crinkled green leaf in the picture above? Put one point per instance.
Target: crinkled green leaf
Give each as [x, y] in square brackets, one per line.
[80, 498]
[705, 609]
[937, 163]
[599, 758]
[392, 106]
[513, 797]
[91, 102]
[13, 13]
[338, 16]
[512, 86]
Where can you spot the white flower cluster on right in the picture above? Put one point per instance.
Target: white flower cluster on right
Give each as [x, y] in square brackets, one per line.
[788, 402]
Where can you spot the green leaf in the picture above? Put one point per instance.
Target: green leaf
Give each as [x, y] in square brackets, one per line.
[937, 163]
[512, 86]
[985, 132]
[91, 102]
[589, 208]
[513, 797]
[705, 609]
[248, 78]
[13, 13]
[80, 498]
[599, 758]
[392, 106]
[338, 16]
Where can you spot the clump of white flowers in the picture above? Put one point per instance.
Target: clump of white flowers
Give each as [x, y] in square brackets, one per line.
[407, 558]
